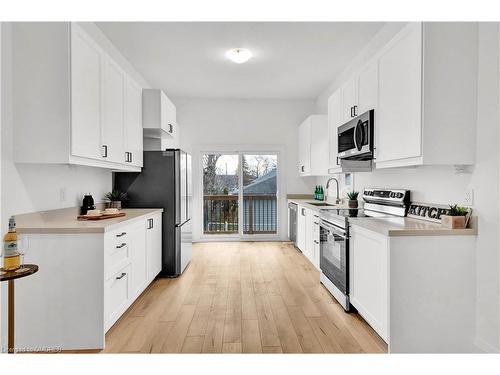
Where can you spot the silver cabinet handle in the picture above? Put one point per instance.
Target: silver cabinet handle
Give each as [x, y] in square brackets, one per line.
[121, 234]
[104, 151]
[122, 275]
[316, 223]
[303, 212]
[170, 128]
[120, 246]
[316, 242]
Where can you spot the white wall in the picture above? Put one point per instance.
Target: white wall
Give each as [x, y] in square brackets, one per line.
[243, 125]
[434, 184]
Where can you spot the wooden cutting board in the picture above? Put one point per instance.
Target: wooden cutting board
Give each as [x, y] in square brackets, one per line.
[102, 216]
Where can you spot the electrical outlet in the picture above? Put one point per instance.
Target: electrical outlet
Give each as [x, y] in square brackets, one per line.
[469, 197]
[62, 194]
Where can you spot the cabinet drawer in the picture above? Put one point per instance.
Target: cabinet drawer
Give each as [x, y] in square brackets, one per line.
[116, 250]
[116, 296]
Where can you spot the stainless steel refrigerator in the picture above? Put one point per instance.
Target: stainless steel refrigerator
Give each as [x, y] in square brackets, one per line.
[164, 182]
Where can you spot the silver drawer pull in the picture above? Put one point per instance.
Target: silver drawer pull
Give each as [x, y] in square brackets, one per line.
[120, 246]
[121, 234]
[316, 223]
[316, 242]
[123, 274]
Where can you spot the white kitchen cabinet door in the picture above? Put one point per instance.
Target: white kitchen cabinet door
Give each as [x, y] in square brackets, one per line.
[319, 145]
[301, 228]
[349, 100]
[399, 120]
[154, 245]
[369, 258]
[113, 89]
[138, 258]
[133, 123]
[86, 74]
[305, 147]
[368, 88]
[309, 248]
[315, 240]
[168, 115]
[334, 121]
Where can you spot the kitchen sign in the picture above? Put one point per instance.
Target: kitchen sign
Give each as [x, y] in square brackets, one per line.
[427, 211]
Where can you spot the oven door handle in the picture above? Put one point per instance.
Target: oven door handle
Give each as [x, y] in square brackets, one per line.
[332, 228]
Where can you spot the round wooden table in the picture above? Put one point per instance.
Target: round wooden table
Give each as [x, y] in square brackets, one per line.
[10, 276]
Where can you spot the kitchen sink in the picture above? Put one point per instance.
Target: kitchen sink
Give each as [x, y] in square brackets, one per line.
[320, 204]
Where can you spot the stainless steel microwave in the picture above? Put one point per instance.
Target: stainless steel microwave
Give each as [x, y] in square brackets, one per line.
[355, 138]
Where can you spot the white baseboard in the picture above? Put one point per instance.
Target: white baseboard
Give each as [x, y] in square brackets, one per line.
[483, 346]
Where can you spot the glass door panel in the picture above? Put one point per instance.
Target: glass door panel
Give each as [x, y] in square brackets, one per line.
[259, 193]
[220, 193]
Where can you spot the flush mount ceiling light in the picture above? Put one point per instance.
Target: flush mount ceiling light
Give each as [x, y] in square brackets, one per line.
[239, 55]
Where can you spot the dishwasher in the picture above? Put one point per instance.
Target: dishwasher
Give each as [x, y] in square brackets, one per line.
[292, 222]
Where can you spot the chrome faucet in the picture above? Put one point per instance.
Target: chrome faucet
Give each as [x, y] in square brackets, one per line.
[337, 200]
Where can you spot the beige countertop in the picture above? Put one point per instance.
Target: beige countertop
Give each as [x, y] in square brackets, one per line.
[405, 226]
[391, 226]
[65, 221]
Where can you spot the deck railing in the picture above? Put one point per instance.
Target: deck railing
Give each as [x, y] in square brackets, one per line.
[220, 214]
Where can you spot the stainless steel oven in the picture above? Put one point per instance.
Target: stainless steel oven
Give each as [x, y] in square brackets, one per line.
[355, 138]
[334, 261]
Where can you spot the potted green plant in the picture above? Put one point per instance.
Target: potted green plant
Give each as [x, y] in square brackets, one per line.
[115, 198]
[353, 199]
[455, 218]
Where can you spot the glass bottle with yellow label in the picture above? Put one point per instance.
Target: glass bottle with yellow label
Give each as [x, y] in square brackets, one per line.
[11, 256]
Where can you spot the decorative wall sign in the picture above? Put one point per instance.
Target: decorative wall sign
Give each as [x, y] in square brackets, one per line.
[427, 211]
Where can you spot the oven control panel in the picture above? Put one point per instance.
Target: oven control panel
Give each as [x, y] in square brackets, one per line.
[387, 195]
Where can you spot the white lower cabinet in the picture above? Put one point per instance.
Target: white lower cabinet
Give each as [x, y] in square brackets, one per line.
[117, 293]
[132, 260]
[368, 280]
[153, 243]
[301, 228]
[308, 234]
[315, 241]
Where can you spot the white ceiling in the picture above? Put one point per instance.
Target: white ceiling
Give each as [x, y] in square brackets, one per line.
[291, 60]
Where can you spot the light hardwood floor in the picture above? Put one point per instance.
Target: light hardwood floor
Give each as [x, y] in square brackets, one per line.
[241, 297]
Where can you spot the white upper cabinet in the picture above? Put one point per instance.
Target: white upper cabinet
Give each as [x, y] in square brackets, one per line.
[399, 113]
[159, 116]
[422, 86]
[133, 123]
[81, 103]
[367, 88]
[427, 96]
[319, 145]
[334, 121]
[305, 147]
[86, 72]
[113, 112]
[349, 100]
[313, 146]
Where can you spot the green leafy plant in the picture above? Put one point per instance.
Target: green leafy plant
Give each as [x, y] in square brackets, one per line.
[116, 195]
[353, 195]
[457, 210]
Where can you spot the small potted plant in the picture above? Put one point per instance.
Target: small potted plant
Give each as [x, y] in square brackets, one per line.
[455, 218]
[115, 198]
[353, 199]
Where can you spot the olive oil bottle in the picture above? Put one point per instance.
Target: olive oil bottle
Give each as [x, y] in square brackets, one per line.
[11, 256]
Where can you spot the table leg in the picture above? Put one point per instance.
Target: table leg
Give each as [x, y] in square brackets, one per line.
[10, 346]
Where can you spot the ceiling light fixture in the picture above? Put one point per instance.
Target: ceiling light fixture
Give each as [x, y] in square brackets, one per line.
[239, 55]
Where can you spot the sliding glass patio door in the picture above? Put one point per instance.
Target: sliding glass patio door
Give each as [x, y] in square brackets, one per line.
[240, 194]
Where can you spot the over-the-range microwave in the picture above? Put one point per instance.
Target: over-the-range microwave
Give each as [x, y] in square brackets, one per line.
[355, 138]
